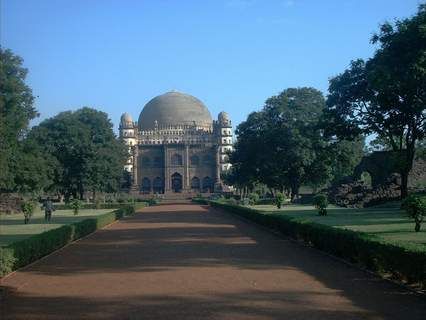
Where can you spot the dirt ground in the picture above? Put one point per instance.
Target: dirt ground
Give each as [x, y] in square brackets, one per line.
[194, 262]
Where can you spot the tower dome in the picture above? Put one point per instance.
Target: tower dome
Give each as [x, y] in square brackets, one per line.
[174, 108]
[125, 117]
[126, 120]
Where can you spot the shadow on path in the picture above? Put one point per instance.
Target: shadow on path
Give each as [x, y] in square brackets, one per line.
[193, 262]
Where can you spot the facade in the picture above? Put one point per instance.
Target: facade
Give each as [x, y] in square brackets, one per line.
[176, 147]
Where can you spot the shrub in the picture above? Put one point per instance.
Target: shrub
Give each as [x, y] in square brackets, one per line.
[253, 198]
[279, 200]
[320, 202]
[152, 202]
[76, 205]
[7, 260]
[98, 203]
[28, 208]
[245, 201]
[415, 207]
[233, 201]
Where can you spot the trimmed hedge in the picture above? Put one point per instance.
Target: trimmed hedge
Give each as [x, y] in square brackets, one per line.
[21, 253]
[200, 200]
[107, 205]
[368, 251]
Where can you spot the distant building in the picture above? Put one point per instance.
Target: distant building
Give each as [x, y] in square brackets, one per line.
[176, 147]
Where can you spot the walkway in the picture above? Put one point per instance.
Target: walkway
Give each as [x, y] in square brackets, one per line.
[194, 262]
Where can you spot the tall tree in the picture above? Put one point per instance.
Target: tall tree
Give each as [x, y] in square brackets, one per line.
[88, 155]
[297, 148]
[282, 145]
[386, 94]
[16, 111]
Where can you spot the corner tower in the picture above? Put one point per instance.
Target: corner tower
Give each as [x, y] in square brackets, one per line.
[225, 137]
[127, 130]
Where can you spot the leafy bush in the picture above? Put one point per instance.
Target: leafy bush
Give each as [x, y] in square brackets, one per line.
[232, 201]
[253, 198]
[98, 203]
[415, 207]
[279, 200]
[320, 202]
[245, 201]
[7, 260]
[76, 205]
[21, 253]
[406, 263]
[28, 208]
[152, 202]
[200, 200]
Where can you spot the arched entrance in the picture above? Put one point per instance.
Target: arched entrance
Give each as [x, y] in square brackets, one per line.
[176, 182]
[157, 185]
[207, 184]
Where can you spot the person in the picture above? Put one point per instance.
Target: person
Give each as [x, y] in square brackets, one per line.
[48, 208]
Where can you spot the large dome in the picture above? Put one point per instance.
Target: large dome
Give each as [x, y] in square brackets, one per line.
[174, 108]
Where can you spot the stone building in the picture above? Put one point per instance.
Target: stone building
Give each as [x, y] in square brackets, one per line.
[176, 148]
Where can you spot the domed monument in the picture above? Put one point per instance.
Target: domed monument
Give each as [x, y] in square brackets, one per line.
[176, 147]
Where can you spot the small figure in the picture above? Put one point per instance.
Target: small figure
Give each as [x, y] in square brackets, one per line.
[48, 209]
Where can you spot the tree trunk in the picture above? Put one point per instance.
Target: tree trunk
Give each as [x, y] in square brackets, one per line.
[294, 192]
[407, 167]
[404, 184]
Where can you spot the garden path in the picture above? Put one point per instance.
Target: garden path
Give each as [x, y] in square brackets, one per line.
[187, 261]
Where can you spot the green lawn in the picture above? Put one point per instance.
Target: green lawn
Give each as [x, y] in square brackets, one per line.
[387, 221]
[12, 227]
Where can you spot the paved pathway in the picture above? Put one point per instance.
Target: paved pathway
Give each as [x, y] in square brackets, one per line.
[193, 262]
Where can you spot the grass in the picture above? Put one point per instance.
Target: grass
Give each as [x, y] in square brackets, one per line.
[12, 227]
[387, 222]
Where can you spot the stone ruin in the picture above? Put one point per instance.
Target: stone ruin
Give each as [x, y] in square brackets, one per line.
[382, 166]
[10, 203]
[356, 194]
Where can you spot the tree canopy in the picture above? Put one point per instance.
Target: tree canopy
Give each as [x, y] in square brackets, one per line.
[22, 167]
[86, 155]
[386, 94]
[283, 146]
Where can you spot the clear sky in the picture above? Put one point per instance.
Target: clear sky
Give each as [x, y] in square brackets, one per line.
[115, 55]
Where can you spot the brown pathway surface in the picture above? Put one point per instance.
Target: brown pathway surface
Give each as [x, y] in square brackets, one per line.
[193, 262]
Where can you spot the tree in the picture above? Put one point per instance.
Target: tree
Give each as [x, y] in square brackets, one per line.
[320, 202]
[282, 145]
[16, 111]
[386, 94]
[298, 153]
[415, 208]
[87, 155]
[345, 156]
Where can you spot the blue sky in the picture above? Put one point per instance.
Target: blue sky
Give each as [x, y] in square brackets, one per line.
[232, 54]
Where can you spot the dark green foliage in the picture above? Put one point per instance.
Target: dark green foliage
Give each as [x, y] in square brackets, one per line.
[76, 205]
[253, 198]
[109, 205]
[27, 208]
[385, 95]
[320, 202]
[407, 264]
[283, 148]
[86, 154]
[21, 253]
[200, 200]
[279, 200]
[23, 168]
[7, 261]
[416, 209]
[153, 201]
